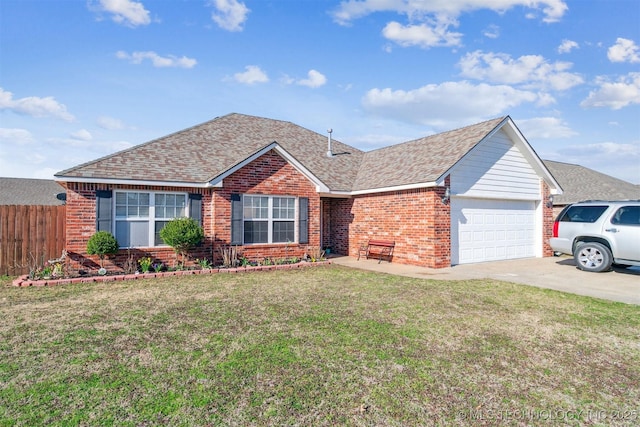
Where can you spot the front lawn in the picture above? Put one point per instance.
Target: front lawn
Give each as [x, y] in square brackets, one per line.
[319, 346]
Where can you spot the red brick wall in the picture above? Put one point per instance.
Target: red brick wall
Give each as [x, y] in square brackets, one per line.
[337, 219]
[416, 220]
[81, 225]
[269, 175]
[547, 221]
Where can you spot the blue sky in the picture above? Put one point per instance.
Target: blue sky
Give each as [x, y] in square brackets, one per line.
[82, 79]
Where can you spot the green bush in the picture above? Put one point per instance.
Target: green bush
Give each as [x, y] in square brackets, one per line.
[102, 243]
[182, 234]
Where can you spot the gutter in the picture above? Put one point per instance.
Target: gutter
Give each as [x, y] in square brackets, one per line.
[116, 181]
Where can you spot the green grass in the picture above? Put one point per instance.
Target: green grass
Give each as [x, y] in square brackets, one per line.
[318, 346]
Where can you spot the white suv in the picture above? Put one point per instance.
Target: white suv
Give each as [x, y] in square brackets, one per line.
[599, 234]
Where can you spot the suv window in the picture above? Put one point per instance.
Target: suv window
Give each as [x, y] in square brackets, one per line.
[583, 213]
[627, 215]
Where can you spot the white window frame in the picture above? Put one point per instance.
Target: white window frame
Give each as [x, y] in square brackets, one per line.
[270, 219]
[151, 218]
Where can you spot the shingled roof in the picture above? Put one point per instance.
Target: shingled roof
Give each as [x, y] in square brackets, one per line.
[421, 160]
[28, 191]
[580, 183]
[199, 154]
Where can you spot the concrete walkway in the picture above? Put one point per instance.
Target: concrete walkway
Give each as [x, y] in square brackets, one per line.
[559, 273]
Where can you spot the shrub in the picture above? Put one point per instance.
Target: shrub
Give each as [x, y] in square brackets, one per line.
[102, 244]
[182, 234]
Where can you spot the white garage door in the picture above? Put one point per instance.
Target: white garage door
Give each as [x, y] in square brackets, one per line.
[491, 230]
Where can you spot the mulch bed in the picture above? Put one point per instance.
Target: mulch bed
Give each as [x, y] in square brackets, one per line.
[24, 281]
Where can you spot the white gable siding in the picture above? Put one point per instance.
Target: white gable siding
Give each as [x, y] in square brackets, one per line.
[495, 169]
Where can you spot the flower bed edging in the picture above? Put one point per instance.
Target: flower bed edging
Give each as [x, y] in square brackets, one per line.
[24, 281]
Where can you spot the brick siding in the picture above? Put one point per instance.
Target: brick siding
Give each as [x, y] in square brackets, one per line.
[268, 175]
[548, 217]
[81, 225]
[416, 220]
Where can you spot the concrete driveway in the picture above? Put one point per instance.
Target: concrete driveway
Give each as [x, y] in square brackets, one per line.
[559, 273]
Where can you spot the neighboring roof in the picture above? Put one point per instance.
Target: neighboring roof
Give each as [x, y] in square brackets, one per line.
[26, 191]
[580, 183]
[204, 154]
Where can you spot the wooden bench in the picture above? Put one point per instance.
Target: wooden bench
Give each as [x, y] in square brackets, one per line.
[377, 249]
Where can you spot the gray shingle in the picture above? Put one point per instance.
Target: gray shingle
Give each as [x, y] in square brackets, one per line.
[579, 183]
[421, 160]
[199, 154]
[27, 191]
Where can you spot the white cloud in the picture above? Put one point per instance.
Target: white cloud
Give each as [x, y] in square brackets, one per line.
[446, 105]
[109, 123]
[422, 35]
[350, 10]
[492, 32]
[82, 135]
[35, 106]
[157, 60]
[615, 95]
[126, 12]
[567, 46]
[612, 148]
[624, 50]
[252, 75]
[545, 128]
[16, 136]
[430, 21]
[315, 79]
[531, 71]
[230, 15]
[615, 159]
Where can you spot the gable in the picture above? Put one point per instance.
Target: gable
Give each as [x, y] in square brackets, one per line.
[270, 173]
[496, 168]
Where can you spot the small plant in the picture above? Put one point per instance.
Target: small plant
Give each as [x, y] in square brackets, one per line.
[204, 263]
[157, 267]
[102, 244]
[46, 271]
[129, 265]
[145, 264]
[229, 256]
[315, 253]
[182, 234]
[34, 266]
[267, 261]
[244, 261]
[58, 269]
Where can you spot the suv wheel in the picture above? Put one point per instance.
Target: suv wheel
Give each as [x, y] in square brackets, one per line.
[593, 256]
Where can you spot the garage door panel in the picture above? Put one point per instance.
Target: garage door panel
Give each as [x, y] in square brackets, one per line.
[489, 230]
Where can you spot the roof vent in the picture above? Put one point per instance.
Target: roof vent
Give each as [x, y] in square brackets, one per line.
[329, 150]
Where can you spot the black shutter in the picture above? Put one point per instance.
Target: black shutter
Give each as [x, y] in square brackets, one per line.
[304, 220]
[236, 219]
[104, 211]
[195, 207]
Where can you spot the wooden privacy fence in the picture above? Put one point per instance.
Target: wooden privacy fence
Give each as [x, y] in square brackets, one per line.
[29, 236]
